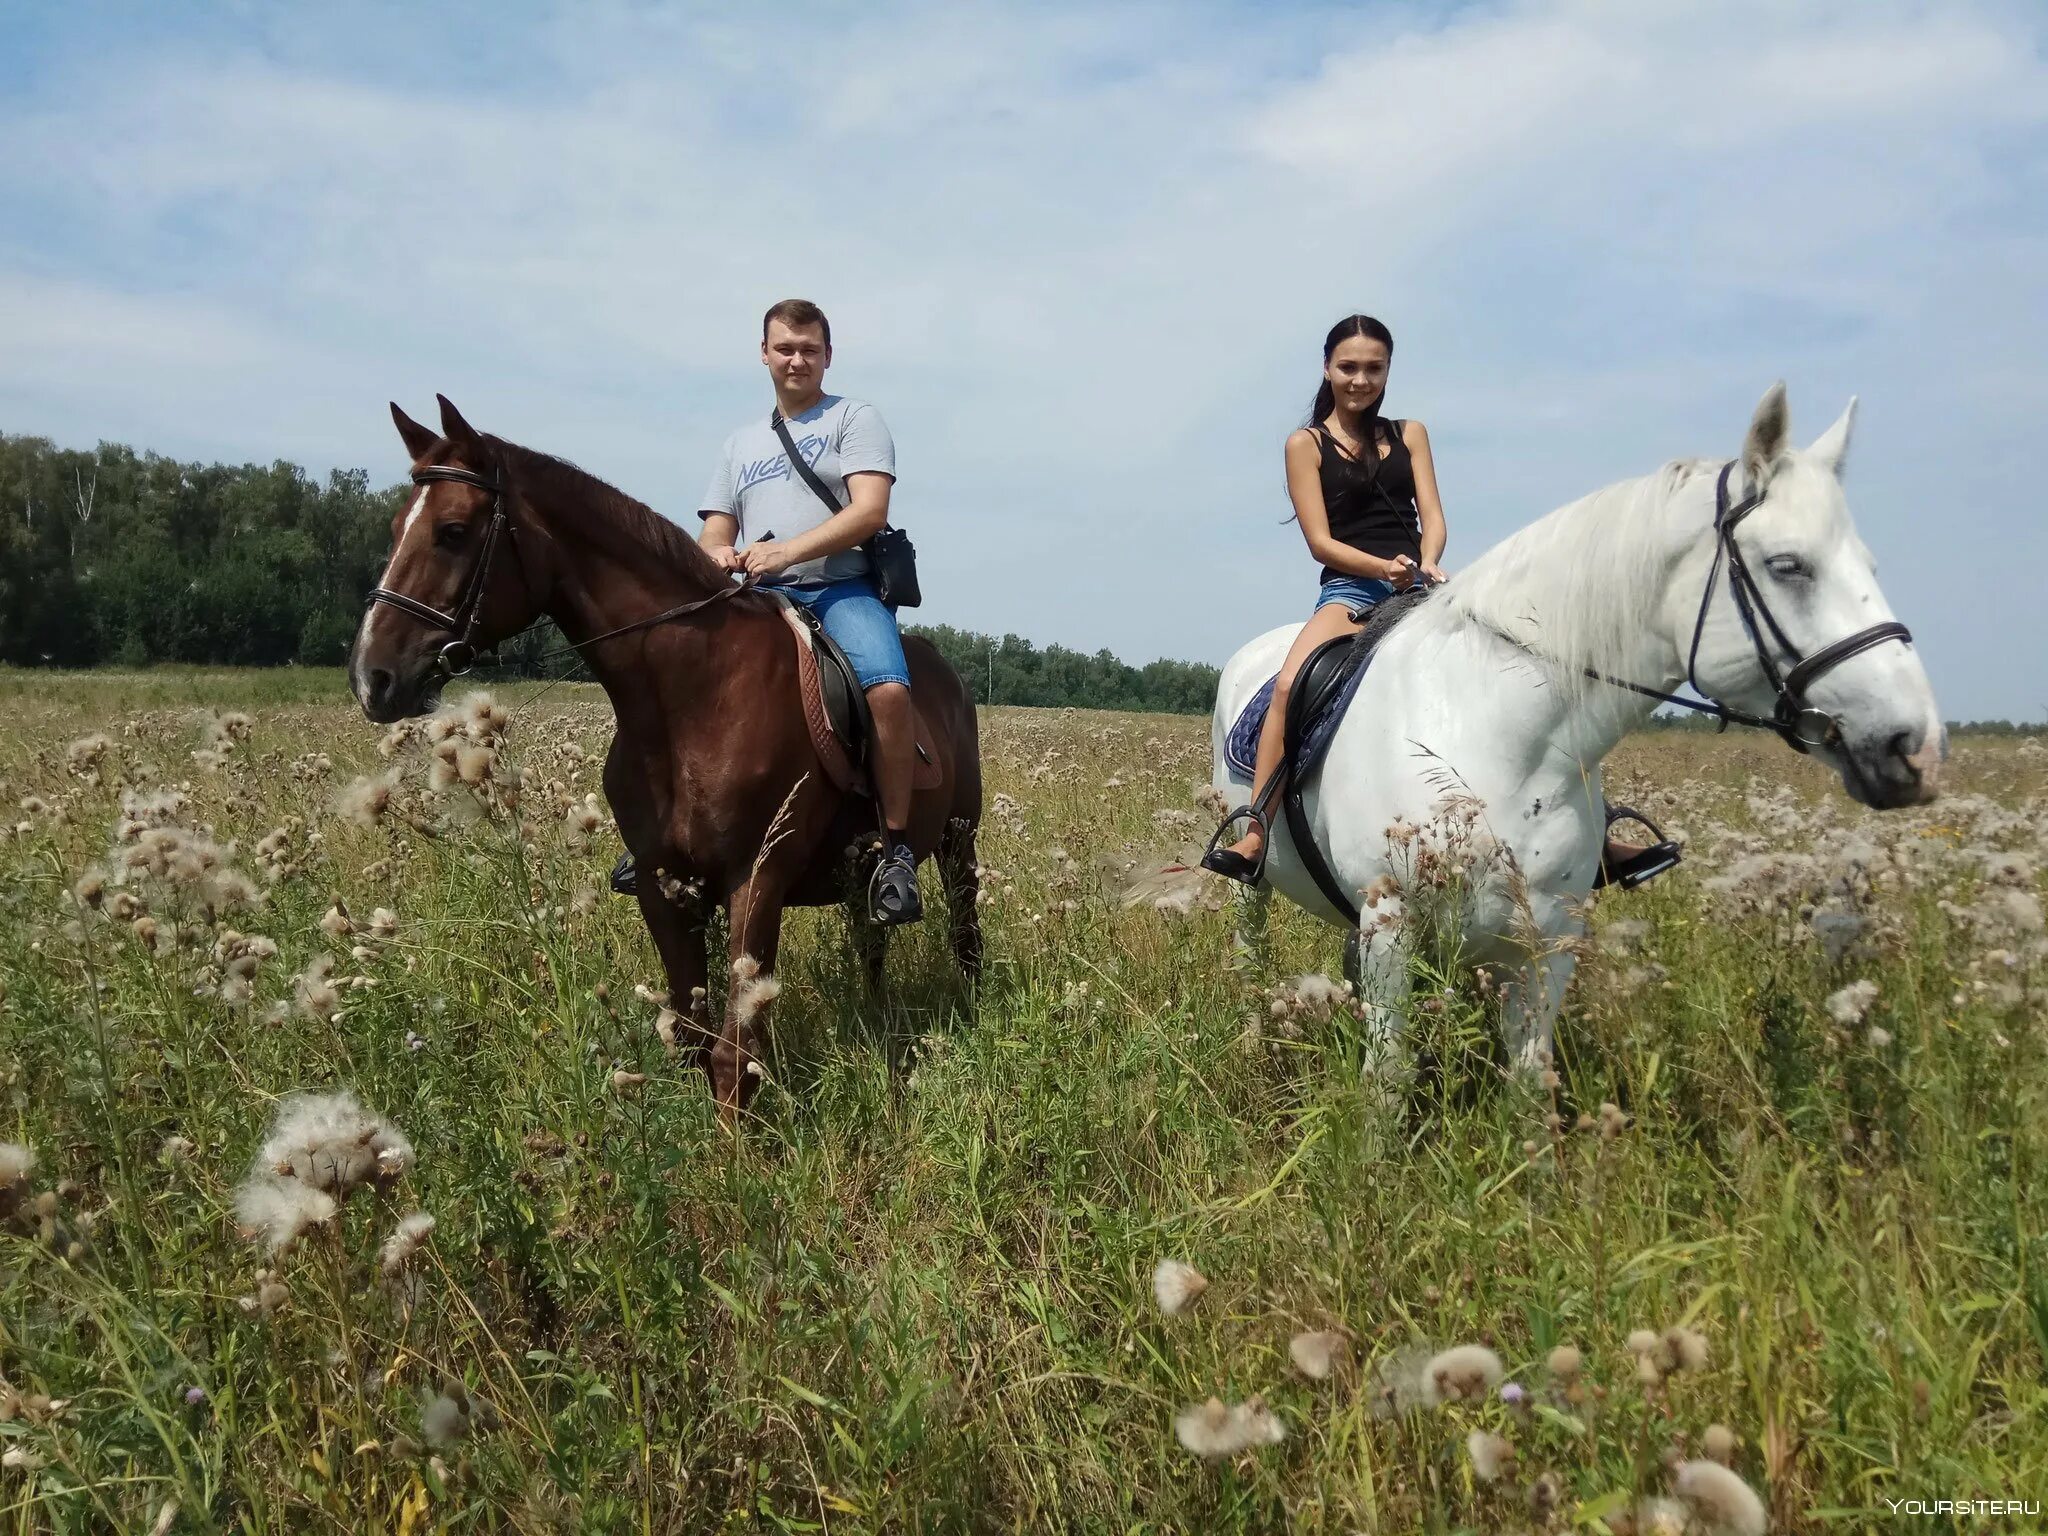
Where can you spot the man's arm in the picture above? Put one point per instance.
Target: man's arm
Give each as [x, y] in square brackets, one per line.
[721, 532]
[866, 510]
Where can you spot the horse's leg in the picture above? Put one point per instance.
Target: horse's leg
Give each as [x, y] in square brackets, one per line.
[870, 942]
[677, 929]
[1383, 982]
[1531, 1000]
[756, 939]
[962, 877]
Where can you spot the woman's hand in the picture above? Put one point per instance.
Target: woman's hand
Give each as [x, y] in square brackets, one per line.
[763, 560]
[1434, 571]
[1401, 573]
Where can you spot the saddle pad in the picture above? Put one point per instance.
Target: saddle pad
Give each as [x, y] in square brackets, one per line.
[1242, 745]
[840, 764]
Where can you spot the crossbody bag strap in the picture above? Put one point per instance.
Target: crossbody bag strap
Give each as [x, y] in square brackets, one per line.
[800, 464]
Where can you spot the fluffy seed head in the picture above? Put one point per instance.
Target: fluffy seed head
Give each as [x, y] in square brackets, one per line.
[1719, 1443]
[1463, 1373]
[1317, 1355]
[279, 1211]
[1564, 1363]
[1491, 1455]
[1719, 1500]
[405, 1241]
[1216, 1429]
[1175, 1286]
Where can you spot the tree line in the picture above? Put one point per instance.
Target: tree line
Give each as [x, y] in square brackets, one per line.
[114, 557]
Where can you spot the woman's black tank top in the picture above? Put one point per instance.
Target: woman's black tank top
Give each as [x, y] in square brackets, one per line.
[1371, 507]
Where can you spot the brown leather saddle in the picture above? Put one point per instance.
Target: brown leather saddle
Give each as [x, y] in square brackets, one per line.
[836, 709]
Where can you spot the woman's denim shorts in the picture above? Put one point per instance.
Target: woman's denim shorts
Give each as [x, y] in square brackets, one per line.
[854, 617]
[1357, 593]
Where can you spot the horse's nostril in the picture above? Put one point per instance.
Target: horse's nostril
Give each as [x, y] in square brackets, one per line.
[380, 685]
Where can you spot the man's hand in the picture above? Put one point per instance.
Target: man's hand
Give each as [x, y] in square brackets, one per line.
[725, 557]
[763, 560]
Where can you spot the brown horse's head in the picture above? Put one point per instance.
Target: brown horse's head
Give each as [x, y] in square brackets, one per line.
[457, 581]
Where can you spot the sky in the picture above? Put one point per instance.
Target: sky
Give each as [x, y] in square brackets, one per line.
[1081, 257]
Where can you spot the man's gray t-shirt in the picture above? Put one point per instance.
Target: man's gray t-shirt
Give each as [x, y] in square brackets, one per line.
[754, 481]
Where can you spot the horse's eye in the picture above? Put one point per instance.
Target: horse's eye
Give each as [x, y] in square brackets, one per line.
[1790, 568]
[451, 535]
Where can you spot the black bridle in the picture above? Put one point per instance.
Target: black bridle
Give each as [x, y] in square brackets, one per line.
[460, 654]
[1802, 726]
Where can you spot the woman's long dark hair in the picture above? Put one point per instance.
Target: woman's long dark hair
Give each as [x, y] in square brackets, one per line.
[1341, 332]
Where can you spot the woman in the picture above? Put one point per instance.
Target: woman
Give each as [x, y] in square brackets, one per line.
[1365, 497]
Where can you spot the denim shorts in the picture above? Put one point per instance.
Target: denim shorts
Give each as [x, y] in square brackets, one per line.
[854, 617]
[1358, 593]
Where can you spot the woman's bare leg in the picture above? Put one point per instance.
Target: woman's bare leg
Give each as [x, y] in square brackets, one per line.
[1327, 623]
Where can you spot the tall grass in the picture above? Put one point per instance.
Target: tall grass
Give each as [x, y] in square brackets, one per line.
[914, 1291]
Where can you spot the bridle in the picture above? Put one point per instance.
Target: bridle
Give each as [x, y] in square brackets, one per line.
[1802, 726]
[460, 654]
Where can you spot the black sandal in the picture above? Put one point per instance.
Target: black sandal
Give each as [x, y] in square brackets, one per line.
[1228, 862]
[1642, 866]
[892, 891]
[625, 878]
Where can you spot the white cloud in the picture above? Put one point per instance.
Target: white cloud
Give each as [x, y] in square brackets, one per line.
[1082, 259]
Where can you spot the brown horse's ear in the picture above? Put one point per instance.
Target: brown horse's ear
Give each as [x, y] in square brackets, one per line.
[453, 427]
[418, 439]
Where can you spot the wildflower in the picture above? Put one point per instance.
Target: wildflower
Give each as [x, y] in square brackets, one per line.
[21, 1459]
[1564, 1363]
[328, 1141]
[1662, 1517]
[444, 1420]
[1719, 1444]
[405, 1241]
[1852, 1004]
[1720, 1500]
[1464, 1373]
[316, 993]
[1175, 1286]
[367, 800]
[665, 1026]
[91, 888]
[337, 923]
[383, 925]
[1490, 1454]
[1513, 1394]
[751, 990]
[84, 755]
[280, 1211]
[1879, 1038]
[415, 1041]
[1612, 1121]
[1317, 1355]
[582, 819]
[1687, 1348]
[16, 1163]
[1214, 1429]
[194, 1396]
[176, 1149]
[627, 1083]
[1653, 1353]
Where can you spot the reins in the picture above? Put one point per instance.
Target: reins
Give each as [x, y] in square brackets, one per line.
[459, 655]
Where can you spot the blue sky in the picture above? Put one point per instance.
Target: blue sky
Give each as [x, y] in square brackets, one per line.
[1082, 257]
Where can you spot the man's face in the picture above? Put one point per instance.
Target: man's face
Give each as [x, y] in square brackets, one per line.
[797, 357]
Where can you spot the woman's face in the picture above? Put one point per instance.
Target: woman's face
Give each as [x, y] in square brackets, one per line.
[1357, 371]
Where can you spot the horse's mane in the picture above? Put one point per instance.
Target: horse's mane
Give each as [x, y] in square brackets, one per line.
[1580, 586]
[558, 482]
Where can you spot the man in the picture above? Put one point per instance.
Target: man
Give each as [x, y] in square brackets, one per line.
[800, 547]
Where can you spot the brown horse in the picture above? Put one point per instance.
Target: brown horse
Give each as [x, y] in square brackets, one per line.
[713, 775]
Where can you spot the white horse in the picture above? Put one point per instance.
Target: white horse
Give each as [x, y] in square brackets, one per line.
[1494, 691]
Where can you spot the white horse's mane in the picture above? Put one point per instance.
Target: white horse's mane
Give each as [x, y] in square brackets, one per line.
[1582, 585]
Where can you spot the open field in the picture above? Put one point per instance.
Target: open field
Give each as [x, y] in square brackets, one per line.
[916, 1291]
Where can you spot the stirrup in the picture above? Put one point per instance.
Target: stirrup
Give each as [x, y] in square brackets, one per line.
[1233, 865]
[907, 905]
[1642, 866]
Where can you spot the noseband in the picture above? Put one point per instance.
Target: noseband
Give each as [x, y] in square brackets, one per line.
[459, 654]
[1802, 726]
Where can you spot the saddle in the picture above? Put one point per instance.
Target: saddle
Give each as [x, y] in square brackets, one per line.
[1323, 691]
[836, 708]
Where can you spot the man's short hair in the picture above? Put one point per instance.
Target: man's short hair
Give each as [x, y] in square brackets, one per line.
[796, 314]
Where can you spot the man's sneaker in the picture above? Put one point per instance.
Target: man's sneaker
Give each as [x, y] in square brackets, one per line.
[892, 892]
[625, 878]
